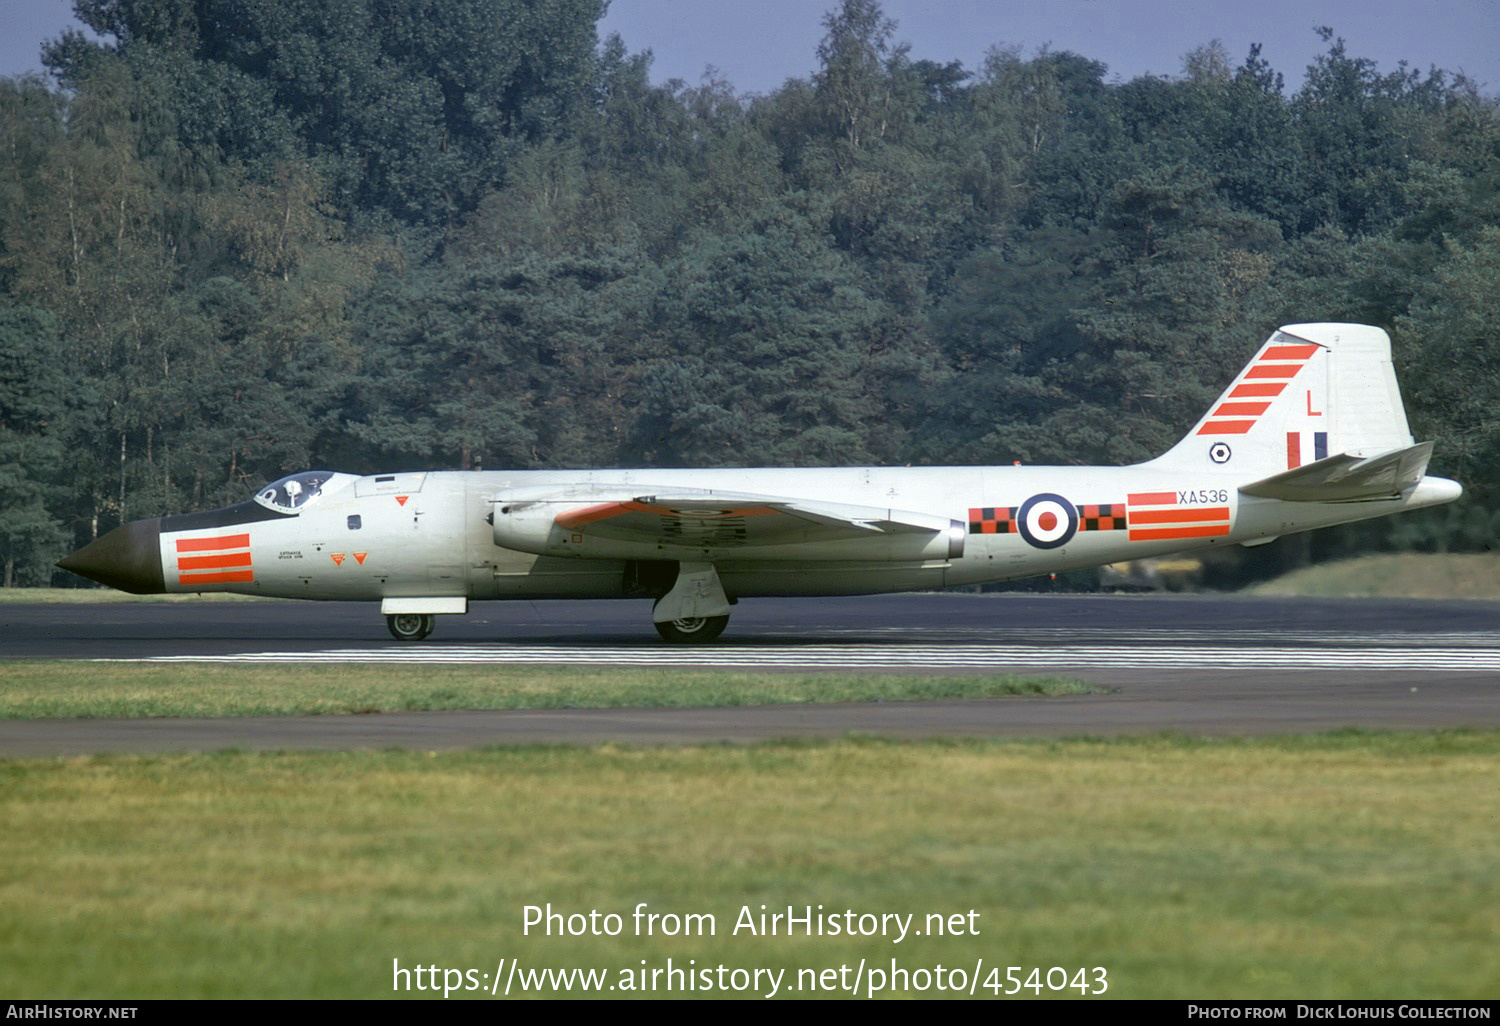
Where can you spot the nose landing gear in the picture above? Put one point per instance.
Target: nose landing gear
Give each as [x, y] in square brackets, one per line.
[409, 626]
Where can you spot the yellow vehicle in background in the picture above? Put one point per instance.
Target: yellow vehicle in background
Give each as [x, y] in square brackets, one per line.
[1154, 573]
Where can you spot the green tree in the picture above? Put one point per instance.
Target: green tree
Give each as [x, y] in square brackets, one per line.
[1004, 328]
[1450, 363]
[34, 410]
[501, 360]
[853, 82]
[411, 109]
[1166, 316]
[1358, 132]
[766, 338]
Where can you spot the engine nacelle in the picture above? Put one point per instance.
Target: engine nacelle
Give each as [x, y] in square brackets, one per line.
[529, 526]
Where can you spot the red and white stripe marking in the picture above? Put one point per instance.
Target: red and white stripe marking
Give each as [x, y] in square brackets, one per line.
[215, 559]
[1158, 516]
[1256, 388]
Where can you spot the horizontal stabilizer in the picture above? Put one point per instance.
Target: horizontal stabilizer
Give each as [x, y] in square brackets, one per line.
[1347, 477]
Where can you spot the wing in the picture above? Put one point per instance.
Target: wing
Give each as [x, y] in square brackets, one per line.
[695, 524]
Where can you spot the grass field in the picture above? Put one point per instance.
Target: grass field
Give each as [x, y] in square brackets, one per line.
[1342, 866]
[1352, 865]
[1398, 575]
[30, 690]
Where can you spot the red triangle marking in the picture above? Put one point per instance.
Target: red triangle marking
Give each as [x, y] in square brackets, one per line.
[337, 557]
[402, 499]
[359, 557]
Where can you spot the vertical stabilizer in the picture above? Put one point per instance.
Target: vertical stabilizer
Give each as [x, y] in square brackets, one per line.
[1312, 391]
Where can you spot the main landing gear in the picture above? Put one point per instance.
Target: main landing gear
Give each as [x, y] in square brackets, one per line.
[692, 630]
[409, 626]
[695, 609]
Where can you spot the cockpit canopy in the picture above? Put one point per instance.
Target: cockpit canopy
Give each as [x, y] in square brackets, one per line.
[295, 492]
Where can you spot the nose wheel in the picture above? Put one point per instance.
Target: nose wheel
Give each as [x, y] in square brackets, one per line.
[409, 626]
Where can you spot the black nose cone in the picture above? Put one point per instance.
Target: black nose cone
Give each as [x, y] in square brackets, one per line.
[128, 558]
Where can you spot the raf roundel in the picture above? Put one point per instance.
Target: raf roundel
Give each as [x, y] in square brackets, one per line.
[1047, 521]
[1219, 452]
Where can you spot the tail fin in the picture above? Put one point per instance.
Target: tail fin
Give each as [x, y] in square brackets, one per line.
[1312, 392]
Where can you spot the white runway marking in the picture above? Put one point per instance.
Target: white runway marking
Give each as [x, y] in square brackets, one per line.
[835, 656]
[1176, 636]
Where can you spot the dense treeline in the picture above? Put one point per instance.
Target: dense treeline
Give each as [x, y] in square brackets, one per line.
[243, 238]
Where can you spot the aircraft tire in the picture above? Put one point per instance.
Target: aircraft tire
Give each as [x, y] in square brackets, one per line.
[409, 626]
[694, 630]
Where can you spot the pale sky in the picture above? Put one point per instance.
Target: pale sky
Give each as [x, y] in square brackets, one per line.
[757, 44]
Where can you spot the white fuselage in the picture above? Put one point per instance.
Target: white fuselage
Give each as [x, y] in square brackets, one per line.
[431, 535]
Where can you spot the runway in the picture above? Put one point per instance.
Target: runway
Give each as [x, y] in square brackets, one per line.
[1279, 653]
[1218, 665]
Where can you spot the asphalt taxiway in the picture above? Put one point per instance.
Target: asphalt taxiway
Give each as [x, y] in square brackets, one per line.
[1214, 666]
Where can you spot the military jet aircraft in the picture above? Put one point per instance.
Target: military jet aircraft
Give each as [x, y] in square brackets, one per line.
[1312, 432]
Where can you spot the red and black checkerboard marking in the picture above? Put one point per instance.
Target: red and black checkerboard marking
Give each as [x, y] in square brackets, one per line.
[992, 520]
[1109, 516]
